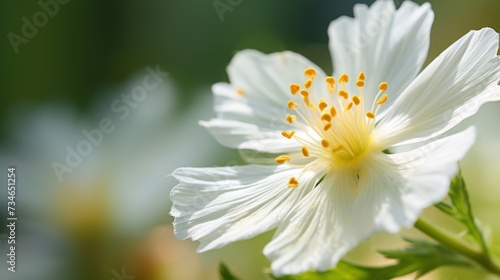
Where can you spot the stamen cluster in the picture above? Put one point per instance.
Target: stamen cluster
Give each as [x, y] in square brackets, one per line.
[337, 128]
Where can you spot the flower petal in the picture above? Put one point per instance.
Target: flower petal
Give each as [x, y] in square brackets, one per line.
[317, 233]
[221, 205]
[255, 117]
[396, 191]
[388, 45]
[243, 123]
[430, 169]
[343, 210]
[450, 89]
[267, 78]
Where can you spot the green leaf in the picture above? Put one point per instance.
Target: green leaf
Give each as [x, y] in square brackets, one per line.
[426, 256]
[225, 274]
[461, 210]
[346, 271]
[420, 257]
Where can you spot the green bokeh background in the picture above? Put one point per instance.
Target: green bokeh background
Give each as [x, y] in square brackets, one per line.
[91, 45]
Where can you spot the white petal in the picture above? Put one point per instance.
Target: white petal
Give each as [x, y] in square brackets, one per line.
[341, 211]
[388, 45]
[431, 168]
[255, 119]
[248, 124]
[379, 205]
[395, 190]
[221, 205]
[267, 78]
[317, 233]
[450, 89]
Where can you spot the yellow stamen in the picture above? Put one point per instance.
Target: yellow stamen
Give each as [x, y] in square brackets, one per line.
[282, 159]
[356, 100]
[308, 83]
[333, 111]
[330, 80]
[325, 143]
[306, 100]
[340, 147]
[382, 99]
[291, 118]
[326, 117]
[305, 151]
[349, 106]
[343, 93]
[327, 126]
[287, 134]
[322, 104]
[344, 78]
[330, 88]
[370, 114]
[310, 73]
[304, 92]
[361, 76]
[294, 88]
[292, 104]
[292, 183]
[240, 92]
[360, 83]
[383, 86]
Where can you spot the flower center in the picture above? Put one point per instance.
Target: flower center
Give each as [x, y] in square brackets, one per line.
[337, 128]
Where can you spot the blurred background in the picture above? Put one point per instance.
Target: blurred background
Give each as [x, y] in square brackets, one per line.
[66, 85]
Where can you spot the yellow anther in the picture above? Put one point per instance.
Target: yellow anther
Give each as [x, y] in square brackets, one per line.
[308, 83]
[292, 183]
[330, 80]
[291, 118]
[370, 114]
[333, 111]
[294, 88]
[325, 143]
[327, 126]
[356, 100]
[304, 92]
[338, 148]
[383, 86]
[240, 92]
[287, 134]
[292, 104]
[282, 159]
[344, 78]
[310, 73]
[326, 117]
[349, 106]
[360, 83]
[343, 93]
[382, 99]
[306, 100]
[361, 76]
[305, 151]
[322, 104]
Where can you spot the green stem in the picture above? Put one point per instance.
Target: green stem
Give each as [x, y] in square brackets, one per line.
[452, 243]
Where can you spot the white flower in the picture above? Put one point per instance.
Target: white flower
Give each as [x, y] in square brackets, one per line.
[336, 184]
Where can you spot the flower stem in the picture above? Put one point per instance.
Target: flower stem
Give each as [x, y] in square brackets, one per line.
[456, 245]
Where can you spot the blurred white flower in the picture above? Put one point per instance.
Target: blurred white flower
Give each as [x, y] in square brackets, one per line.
[119, 189]
[337, 184]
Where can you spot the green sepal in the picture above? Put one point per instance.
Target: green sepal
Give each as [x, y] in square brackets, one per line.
[460, 209]
[225, 274]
